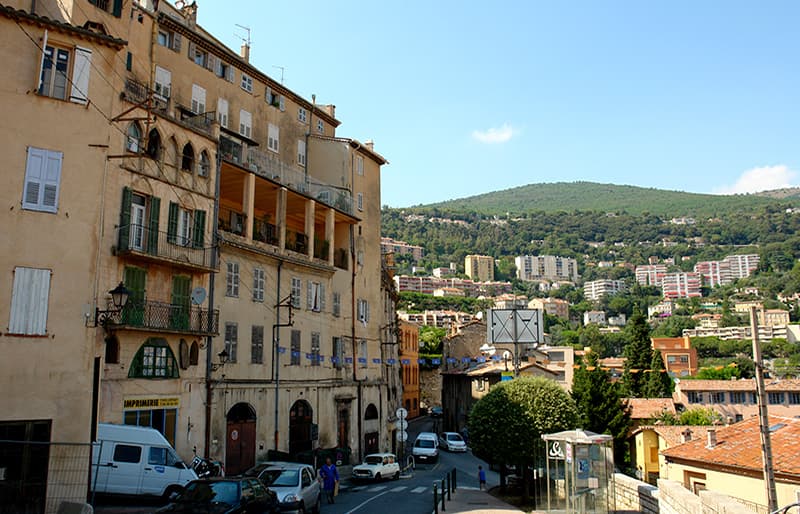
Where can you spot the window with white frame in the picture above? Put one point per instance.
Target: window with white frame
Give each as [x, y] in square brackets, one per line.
[245, 123]
[295, 348]
[360, 201]
[247, 83]
[363, 354]
[198, 99]
[315, 297]
[163, 82]
[204, 166]
[232, 279]
[315, 336]
[164, 38]
[273, 137]
[320, 126]
[55, 72]
[360, 165]
[297, 284]
[133, 138]
[258, 285]
[42, 180]
[184, 233]
[29, 301]
[223, 70]
[337, 304]
[200, 56]
[222, 112]
[301, 152]
[302, 115]
[337, 352]
[257, 344]
[231, 340]
[362, 310]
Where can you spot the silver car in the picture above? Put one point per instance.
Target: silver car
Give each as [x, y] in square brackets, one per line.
[452, 442]
[295, 484]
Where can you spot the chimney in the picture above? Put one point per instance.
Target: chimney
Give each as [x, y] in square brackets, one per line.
[686, 435]
[245, 51]
[369, 143]
[189, 12]
[712, 438]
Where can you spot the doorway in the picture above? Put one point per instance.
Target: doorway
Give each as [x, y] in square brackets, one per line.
[240, 445]
[300, 420]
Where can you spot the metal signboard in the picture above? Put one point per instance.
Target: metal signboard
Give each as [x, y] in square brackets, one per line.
[523, 326]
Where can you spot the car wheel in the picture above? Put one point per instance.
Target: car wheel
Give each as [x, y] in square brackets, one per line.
[396, 476]
[172, 489]
[318, 505]
[301, 509]
[377, 476]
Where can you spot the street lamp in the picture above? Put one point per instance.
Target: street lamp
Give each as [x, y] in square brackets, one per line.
[223, 359]
[119, 298]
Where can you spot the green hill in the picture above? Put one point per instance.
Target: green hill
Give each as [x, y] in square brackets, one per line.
[591, 196]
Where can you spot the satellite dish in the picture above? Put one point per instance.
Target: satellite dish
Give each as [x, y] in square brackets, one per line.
[198, 295]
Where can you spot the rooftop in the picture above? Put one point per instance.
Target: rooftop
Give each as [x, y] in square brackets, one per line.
[737, 385]
[646, 408]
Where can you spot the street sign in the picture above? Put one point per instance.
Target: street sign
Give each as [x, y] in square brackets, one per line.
[524, 326]
[402, 423]
[506, 376]
[401, 413]
[402, 436]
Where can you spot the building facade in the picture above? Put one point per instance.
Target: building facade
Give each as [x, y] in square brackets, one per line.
[735, 400]
[680, 359]
[595, 289]
[552, 306]
[546, 267]
[650, 274]
[409, 359]
[681, 285]
[479, 267]
[389, 245]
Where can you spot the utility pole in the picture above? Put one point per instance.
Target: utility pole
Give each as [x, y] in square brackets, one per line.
[516, 341]
[287, 303]
[763, 417]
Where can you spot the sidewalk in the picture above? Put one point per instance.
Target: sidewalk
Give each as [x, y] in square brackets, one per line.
[469, 499]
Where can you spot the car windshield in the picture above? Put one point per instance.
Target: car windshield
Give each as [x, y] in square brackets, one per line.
[424, 443]
[211, 492]
[373, 459]
[454, 437]
[280, 477]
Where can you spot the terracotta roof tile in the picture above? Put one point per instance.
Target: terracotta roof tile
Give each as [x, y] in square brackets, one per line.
[737, 385]
[646, 408]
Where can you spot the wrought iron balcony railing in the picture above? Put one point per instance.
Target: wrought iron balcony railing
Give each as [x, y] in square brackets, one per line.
[266, 233]
[186, 250]
[167, 317]
[296, 241]
[232, 221]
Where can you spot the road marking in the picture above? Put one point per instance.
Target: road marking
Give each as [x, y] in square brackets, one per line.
[377, 488]
[398, 489]
[359, 488]
[418, 490]
[366, 502]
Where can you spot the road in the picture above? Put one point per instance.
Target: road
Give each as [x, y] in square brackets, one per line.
[411, 494]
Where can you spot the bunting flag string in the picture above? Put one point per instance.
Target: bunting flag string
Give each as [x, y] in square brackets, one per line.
[348, 360]
[376, 361]
[281, 349]
[405, 362]
[391, 362]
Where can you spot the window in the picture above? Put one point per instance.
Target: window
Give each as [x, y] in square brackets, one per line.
[273, 136]
[127, 453]
[717, 397]
[29, 301]
[222, 112]
[753, 398]
[301, 152]
[162, 457]
[42, 180]
[55, 72]
[232, 280]
[258, 285]
[247, 83]
[200, 57]
[337, 352]
[111, 6]
[271, 98]
[154, 148]
[775, 398]
[187, 158]
[163, 83]
[794, 398]
[320, 126]
[363, 310]
[245, 123]
[360, 165]
[224, 70]
[302, 115]
[231, 340]
[694, 397]
[315, 349]
[185, 227]
[296, 285]
[257, 344]
[315, 297]
[198, 99]
[295, 348]
[204, 166]
[163, 38]
[360, 201]
[737, 397]
[337, 304]
[362, 353]
[154, 360]
[163, 420]
[133, 139]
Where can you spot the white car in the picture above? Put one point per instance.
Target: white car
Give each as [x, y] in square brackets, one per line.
[377, 466]
[295, 484]
[452, 442]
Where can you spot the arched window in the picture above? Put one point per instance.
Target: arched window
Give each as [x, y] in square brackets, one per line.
[173, 155]
[194, 354]
[187, 159]
[205, 164]
[183, 353]
[112, 350]
[154, 146]
[133, 139]
[154, 360]
[371, 412]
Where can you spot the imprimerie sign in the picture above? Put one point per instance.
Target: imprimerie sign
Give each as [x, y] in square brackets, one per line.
[150, 403]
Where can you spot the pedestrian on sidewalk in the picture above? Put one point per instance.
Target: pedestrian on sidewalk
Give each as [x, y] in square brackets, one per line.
[330, 479]
[482, 477]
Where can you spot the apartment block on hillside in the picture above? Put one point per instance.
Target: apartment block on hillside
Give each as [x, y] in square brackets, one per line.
[479, 267]
[546, 267]
[595, 289]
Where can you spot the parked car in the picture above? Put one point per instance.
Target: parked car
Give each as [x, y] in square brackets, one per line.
[452, 442]
[436, 412]
[425, 447]
[377, 466]
[229, 495]
[295, 484]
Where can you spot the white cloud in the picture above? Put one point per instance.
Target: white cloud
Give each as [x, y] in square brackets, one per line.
[494, 135]
[764, 178]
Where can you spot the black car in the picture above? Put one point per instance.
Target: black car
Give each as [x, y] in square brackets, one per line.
[229, 495]
[436, 412]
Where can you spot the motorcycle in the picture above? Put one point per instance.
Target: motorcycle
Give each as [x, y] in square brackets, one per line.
[205, 468]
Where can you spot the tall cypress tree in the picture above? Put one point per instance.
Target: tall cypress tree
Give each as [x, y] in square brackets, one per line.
[638, 354]
[658, 383]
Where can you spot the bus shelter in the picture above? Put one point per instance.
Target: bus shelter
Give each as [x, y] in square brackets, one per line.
[580, 472]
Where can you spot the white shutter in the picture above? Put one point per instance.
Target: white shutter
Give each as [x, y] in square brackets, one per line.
[81, 70]
[322, 297]
[245, 123]
[301, 152]
[192, 50]
[41, 62]
[282, 103]
[42, 180]
[163, 82]
[176, 41]
[29, 300]
[211, 62]
[198, 99]
[309, 295]
[229, 74]
[222, 112]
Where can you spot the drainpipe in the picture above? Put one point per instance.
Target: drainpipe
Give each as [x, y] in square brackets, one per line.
[276, 339]
[209, 338]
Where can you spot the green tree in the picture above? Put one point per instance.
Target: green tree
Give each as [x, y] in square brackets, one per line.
[506, 425]
[673, 326]
[431, 338]
[638, 355]
[658, 383]
[718, 373]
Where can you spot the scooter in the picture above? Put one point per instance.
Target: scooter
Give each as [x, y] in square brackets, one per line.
[206, 468]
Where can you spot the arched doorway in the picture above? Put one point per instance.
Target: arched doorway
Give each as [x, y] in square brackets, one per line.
[300, 420]
[240, 446]
[371, 430]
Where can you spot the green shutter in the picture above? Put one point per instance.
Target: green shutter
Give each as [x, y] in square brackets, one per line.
[134, 279]
[172, 223]
[198, 234]
[125, 220]
[152, 226]
[181, 302]
[117, 8]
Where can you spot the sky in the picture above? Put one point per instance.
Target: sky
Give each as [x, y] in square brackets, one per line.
[466, 97]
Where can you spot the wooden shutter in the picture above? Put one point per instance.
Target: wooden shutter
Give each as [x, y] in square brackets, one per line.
[81, 70]
[172, 223]
[117, 8]
[322, 297]
[309, 295]
[282, 103]
[181, 285]
[125, 219]
[42, 179]
[192, 50]
[41, 63]
[29, 299]
[135, 280]
[152, 225]
[211, 62]
[229, 74]
[199, 229]
[176, 42]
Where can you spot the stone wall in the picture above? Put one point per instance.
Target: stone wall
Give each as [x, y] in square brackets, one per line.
[430, 387]
[676, 499]
[635, 495]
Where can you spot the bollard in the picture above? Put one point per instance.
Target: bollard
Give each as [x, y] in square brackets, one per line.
[443, 496]
[449, 487]
[435, 500]
[454, 479]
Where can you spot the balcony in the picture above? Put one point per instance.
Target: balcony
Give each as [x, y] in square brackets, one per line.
[321, 247]
[341, 258]
[166, 317]
[265, 232]
[296, 241]
[141, 242]
[202, 121]
[138, 93]
[231, 221]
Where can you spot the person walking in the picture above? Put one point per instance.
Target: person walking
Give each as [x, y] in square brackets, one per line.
[482, 477]
[330, 479]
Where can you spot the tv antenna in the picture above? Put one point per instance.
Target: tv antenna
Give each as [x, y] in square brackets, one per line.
[245, 40]
[282, 70]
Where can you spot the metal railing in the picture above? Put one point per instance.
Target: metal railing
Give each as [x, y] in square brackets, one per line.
[167, 317]
[341, 258]
[296, 241]
[232, 221]
[321, 247]
[138, 92]
[202, 121]
[448, 487]
[266, 232]
[140, 240]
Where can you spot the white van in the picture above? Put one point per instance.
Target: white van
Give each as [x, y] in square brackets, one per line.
[426, 447]
[136, 460]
